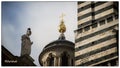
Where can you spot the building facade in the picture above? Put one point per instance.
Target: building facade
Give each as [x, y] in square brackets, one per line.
[96, 38]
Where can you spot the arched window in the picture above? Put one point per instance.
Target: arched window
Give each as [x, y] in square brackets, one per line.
[64, 59]
[50, 60]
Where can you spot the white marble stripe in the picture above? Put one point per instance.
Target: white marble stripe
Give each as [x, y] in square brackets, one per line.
[103, 5]
[84, 4]
[84, 12]
[102, 14]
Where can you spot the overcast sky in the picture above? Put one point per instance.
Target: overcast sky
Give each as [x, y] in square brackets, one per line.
[42, 18]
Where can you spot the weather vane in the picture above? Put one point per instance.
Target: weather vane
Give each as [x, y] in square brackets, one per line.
[62, 27]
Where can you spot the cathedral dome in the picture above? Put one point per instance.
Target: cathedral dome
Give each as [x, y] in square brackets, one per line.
[60, 43]
[57, 48]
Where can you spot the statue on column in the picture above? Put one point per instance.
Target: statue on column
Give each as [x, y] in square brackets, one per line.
[26, 43]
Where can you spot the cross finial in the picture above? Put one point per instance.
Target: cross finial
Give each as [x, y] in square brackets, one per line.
[62, 16]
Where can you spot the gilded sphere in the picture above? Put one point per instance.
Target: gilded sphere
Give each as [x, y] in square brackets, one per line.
[62, 27]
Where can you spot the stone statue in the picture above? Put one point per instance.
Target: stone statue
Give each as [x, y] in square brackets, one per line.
[26, 43]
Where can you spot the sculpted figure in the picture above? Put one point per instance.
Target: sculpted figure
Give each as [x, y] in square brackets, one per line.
[26, 43]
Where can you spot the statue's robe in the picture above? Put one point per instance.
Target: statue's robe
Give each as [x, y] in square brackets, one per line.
[26, 45]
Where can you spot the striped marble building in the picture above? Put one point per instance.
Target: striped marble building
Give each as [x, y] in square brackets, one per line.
[96, 38]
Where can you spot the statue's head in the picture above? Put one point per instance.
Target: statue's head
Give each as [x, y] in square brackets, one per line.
[29, 29]
[29, 32]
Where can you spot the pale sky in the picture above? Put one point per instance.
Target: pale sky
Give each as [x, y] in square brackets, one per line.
[42, 18]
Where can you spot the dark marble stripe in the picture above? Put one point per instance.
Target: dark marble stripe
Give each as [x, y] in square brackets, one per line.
[96, 51]
[80, 2]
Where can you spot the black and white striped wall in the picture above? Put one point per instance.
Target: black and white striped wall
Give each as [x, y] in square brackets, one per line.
[96, 39]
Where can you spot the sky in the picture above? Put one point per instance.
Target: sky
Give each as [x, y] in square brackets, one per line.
[42, 17]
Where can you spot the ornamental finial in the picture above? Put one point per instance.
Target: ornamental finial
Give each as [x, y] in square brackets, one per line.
[62, 27]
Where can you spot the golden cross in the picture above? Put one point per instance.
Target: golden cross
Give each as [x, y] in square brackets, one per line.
[62, 16]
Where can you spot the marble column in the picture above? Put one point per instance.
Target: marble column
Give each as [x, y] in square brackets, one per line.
[56, 61]
[59, 61]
